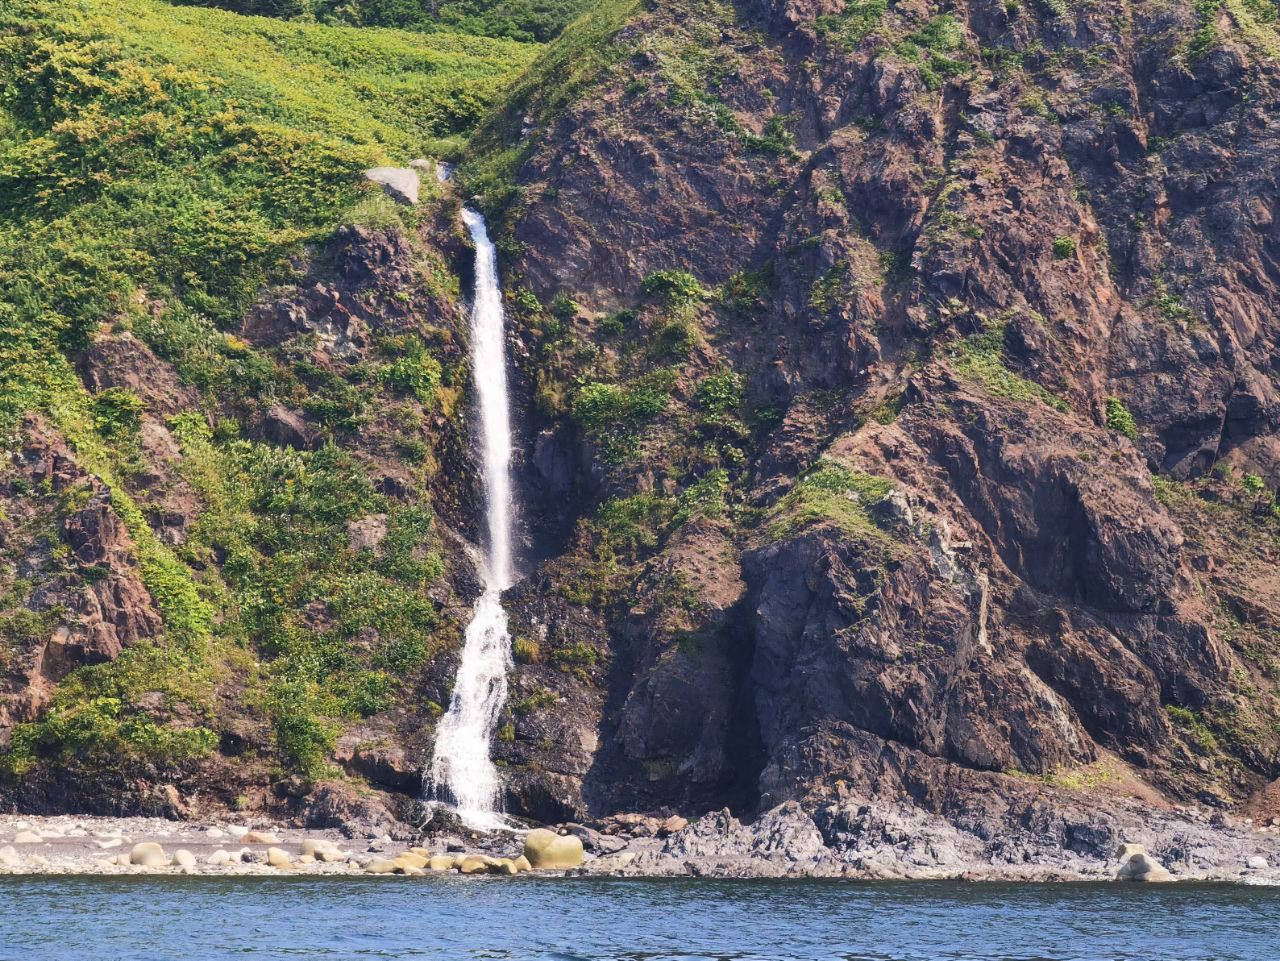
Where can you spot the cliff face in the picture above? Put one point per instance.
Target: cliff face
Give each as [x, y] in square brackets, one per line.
[898, 399]
[962, 322]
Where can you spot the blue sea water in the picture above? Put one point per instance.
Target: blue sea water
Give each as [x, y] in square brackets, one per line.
[459, 918]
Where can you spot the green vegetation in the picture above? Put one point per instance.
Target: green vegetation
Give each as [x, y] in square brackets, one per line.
[745, 290]
[414, 370]
[853, 24]
[1193, 725]
[579, 56]
[981, 358]
[1120, 420]
[831, 493]
[526, 651]
[158, 166]
[1205, 38]
[97, 730]
[515, 19]
[615, 413]
[1064, 248]
[675, 288]
[144, 169]
[1168, 304]
[929, 47]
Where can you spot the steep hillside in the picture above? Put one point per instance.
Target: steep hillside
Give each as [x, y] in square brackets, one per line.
[229, 387]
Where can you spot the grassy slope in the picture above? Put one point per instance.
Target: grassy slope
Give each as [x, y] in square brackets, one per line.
[158, 155]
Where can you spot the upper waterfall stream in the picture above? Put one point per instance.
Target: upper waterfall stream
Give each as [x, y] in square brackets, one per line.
[462, 774]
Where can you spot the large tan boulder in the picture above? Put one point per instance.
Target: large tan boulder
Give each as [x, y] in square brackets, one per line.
[313, 847]
[27, 837]
[440, 862]
[473, 864]
[258, 837]
[411, 860]
[548, 851]
[1137, 865]
[522, 864]
[184, 858]
[148, 854]
[279, 858]
[381, 866]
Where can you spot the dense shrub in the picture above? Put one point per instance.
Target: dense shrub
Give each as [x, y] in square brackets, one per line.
[1120, 420]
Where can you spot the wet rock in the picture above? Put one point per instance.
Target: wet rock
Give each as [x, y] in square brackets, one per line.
[184, 858]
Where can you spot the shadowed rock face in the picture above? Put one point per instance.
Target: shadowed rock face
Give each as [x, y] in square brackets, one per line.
[958, 284]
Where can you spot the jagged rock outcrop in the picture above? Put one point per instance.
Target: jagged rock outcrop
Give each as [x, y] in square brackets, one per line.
[1024, 301]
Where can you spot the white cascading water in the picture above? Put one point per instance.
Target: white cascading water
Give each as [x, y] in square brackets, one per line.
[462, 774]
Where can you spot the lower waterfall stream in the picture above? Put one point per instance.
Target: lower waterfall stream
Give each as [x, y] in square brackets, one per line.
[462, 775]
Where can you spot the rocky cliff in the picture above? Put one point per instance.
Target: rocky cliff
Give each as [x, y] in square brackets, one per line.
[917, 365]
[898, 397]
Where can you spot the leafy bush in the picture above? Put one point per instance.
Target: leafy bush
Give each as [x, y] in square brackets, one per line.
[99, 731]
[185, 152]
[526, 20]
[745, 290]
[415, 372]
[776, 138]
[1064, 248]
[1120, 420]
[118, 415]
[305, 738]
[673, 287]
[854, 23]
[604, 407]
[705, 497]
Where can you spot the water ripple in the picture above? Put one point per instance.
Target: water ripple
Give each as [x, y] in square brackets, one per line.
[352, 919]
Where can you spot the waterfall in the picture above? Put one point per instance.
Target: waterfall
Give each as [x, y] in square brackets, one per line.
[462, 775]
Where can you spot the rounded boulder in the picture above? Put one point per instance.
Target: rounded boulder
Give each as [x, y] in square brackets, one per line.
[148, 854]
[547, 851]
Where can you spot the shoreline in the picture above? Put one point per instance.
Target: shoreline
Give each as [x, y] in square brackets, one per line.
[714, 847]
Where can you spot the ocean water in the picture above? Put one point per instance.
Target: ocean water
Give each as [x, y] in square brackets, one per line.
[200, 919]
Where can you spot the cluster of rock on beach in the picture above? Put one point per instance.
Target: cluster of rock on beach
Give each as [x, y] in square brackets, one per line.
[86, 845]
[859, 843]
